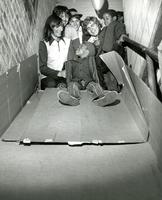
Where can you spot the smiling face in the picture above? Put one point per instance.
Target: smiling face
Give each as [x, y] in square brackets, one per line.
[57, 30]
[107, 19]
[93, 28]
[75, 22]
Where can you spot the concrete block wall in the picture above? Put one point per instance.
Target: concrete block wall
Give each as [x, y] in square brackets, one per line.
[21, 24]
[140, 19]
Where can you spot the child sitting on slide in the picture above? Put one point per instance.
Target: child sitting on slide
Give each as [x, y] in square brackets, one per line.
[81, 74]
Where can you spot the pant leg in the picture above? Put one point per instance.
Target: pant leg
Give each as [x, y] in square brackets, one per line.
[74, 89]
[96, 89]
[101, 70]
[49, 82]
[111, 81]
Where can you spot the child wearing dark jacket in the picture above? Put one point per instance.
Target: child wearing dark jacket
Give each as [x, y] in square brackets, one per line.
[110, 40]
[111, 33]
[81, 74]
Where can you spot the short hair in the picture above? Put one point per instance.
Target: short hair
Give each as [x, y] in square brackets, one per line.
[89, 19]
[112, 13]
[47, 30]
[120, 15]
[60, 9]
[72, 11]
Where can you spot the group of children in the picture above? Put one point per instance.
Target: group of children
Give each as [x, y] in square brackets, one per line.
[69, 54]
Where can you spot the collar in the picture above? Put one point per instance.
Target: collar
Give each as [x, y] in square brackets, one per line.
[53, 39]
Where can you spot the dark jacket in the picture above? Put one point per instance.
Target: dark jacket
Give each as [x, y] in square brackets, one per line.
[82, 69]
[109, 36]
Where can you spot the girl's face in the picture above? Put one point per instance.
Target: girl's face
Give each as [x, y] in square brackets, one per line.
[107, 19]
[57, 30]
[93, 28]
[75, 22]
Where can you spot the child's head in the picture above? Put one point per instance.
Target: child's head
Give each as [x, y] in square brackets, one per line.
[86, 49]
[120, 15]
[109, 16]
[91, 25]
[75, 20]
[63, 13]
[53, 26]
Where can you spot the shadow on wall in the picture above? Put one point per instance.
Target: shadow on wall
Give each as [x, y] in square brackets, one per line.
[31, 7]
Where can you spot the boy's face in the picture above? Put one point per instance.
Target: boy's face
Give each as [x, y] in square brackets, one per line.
[75, 22]
[82, 51]
[107, 19]
[92, 28]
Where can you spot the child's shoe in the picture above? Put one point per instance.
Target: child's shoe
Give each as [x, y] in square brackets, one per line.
[66, 99]
[109, 98]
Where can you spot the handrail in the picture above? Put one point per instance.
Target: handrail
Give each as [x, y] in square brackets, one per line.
[149, 55]
[140, 49]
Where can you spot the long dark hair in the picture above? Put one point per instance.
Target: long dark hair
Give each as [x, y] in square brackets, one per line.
[47, 30]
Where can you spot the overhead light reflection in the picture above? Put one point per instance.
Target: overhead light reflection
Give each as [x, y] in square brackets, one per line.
[97, 4]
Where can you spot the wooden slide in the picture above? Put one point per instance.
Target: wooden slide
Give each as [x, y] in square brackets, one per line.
[118, 123]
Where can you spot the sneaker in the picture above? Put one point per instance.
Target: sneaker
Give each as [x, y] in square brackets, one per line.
[66, 99]
[109, 98]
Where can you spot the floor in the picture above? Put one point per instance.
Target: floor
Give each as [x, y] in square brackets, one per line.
[61, 172]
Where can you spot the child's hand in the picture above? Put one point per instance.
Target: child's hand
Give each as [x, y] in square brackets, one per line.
[121, 40]
[62, 74]
[82, 51]
[83, 83]
[97, 42]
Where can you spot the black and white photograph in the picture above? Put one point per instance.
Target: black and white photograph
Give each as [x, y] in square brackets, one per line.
[80, 99]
